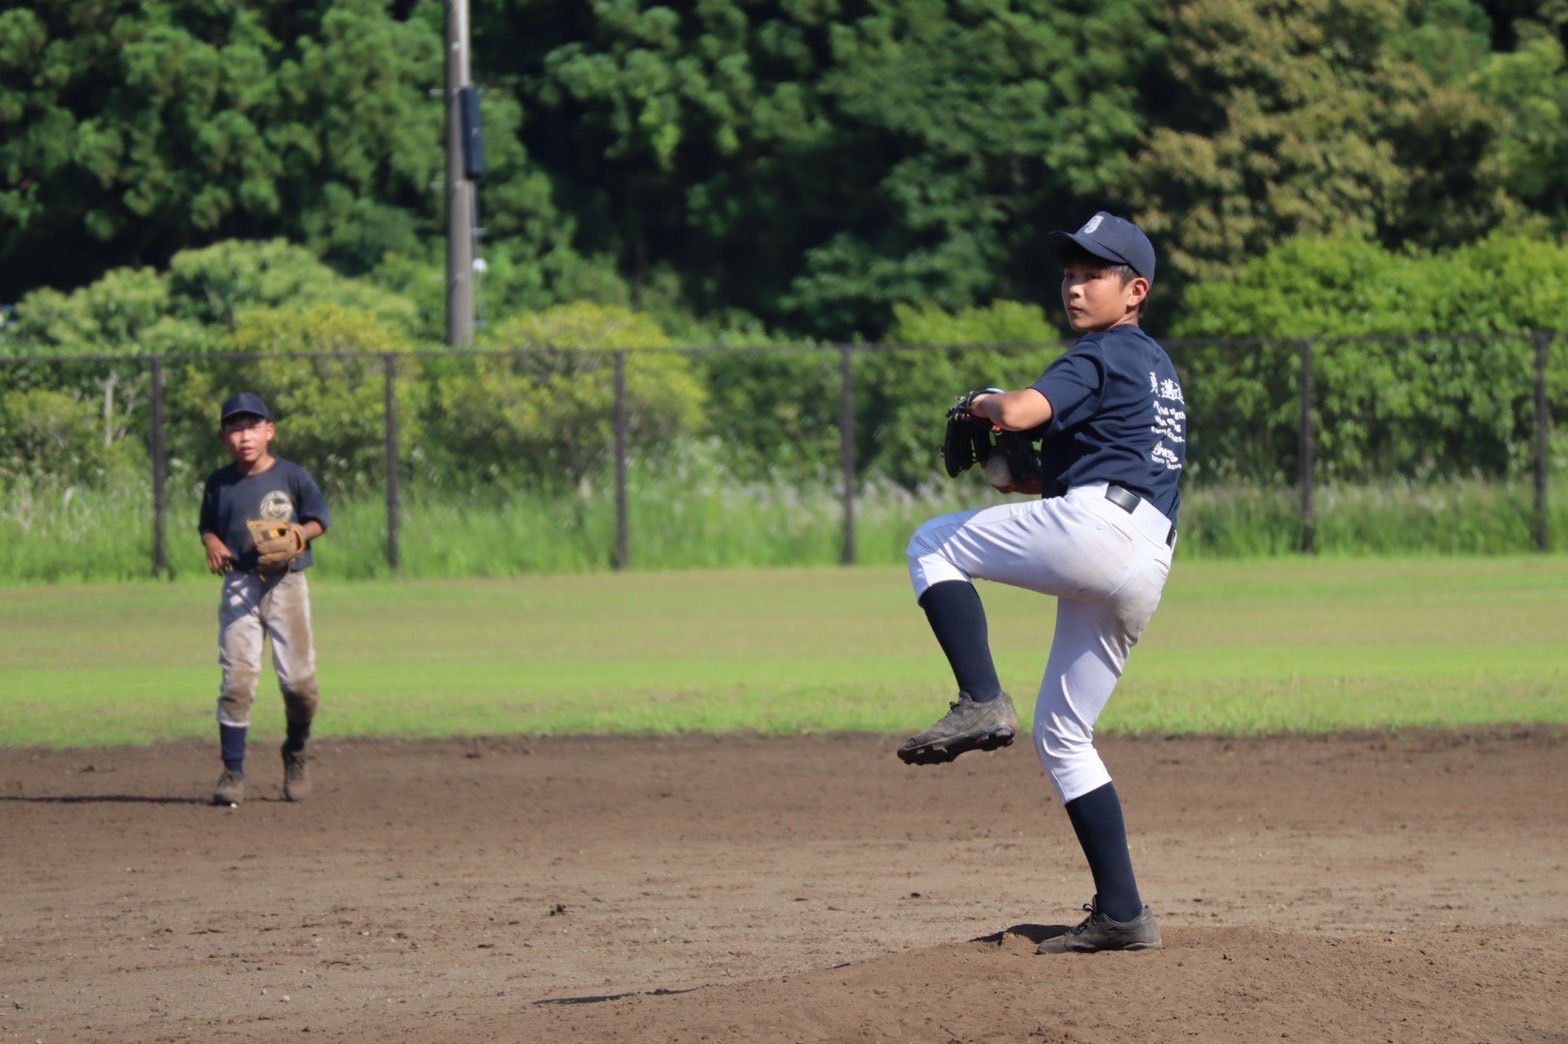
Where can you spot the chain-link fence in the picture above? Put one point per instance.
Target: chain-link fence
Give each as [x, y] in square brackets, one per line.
[469, 427]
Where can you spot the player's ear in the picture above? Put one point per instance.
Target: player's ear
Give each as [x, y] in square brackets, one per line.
[1137, 291]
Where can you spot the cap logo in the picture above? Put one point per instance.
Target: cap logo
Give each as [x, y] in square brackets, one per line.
[1089, 226]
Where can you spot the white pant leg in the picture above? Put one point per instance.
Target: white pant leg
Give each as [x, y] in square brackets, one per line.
[1087, 657]
[285, 613]
[240, 639]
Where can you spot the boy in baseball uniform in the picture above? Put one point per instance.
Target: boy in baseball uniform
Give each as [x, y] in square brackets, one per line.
[262, 598]
[1100, 540]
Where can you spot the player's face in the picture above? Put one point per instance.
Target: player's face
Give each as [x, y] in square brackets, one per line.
[247, 438]
[1096, 298]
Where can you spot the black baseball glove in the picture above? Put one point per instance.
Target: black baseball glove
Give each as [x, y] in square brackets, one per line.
[1022, 454]
[967, 439]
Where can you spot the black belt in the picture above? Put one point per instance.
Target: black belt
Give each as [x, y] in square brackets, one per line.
[1128, 501]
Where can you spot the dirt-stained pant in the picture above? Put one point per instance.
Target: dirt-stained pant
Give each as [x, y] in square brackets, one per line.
[255, 608]
[1107, 568]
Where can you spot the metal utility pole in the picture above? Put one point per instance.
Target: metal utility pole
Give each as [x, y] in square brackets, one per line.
[459, 188]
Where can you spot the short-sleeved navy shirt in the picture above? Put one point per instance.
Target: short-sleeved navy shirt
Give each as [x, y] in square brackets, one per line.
[284, 492]
[1117, 416]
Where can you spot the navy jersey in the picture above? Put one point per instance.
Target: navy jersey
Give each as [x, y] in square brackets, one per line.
[1117, 416]
[284, 492]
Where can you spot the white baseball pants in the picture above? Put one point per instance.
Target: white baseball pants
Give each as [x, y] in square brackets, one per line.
[1107, 568]
[253, 609]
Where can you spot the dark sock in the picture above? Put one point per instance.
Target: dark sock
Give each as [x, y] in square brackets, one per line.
[958, 620]
[1097, 820]
[299, 732]
[231, 739]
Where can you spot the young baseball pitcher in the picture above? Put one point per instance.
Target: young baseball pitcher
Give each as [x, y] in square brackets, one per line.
[1099, 538]
[258, 518]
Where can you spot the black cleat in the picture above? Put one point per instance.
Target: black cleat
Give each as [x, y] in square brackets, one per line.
[296, 778]
[230, 789]
[966, 726]
[1097, 933]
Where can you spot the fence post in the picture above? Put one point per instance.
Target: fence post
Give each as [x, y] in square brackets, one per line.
[621, 558]
[390, 426]
[1543, 420]
[846, 447]
[1304, 451]
[160, 469]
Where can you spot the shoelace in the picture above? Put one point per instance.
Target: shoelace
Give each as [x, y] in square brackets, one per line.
[951, 707]
[1083, 925]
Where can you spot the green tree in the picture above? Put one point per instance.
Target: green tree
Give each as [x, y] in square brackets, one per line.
[1281, 119]
[129, 132]
[815, 164]
[512, 276]
[1528, 89]
[976, 127]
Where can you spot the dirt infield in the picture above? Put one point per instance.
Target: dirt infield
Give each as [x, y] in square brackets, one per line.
[1401, 887]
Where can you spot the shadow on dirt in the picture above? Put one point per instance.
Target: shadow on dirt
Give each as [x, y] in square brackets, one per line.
[602, 998]
[109, 799]
[1035, 934]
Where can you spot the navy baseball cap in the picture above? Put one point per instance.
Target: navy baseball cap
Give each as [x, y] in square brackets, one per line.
[244, 402]
[1110, 238]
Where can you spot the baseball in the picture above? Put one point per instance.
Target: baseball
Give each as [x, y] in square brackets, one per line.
[997, 472]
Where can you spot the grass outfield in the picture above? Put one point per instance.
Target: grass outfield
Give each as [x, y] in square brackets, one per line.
[1237, 647]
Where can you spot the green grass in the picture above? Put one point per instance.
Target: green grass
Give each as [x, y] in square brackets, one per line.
[688, 514]
[1243, 647]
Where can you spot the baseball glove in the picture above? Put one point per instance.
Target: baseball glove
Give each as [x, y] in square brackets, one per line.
[1021, 454]
[966, 441]
[278, 544]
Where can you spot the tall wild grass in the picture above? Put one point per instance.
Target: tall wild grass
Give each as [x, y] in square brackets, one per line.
[688, 514]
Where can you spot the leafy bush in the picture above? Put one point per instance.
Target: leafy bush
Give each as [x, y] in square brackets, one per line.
[775, 409]
[903, 395]
[50, 434]
[213, 285]
[1422, 364]
[329, 407]
[537, 400]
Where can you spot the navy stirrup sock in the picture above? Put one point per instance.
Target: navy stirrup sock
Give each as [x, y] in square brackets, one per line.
[231, 740]
[299, 732]
[1102, 833]
[958, 620]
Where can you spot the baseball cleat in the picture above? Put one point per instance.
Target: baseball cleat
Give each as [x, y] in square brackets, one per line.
[296, 778]
[967, 725]
[1098, 932]
[230, 789]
